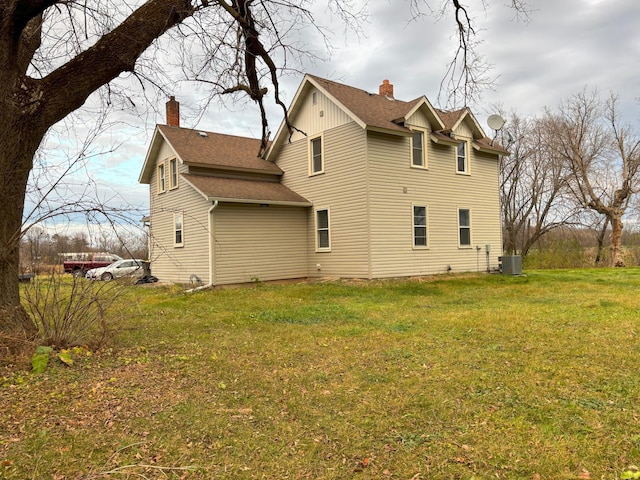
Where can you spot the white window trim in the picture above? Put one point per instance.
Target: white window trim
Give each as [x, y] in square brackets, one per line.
[175, 217]
[425, 135]
[317, 229]
[413, 226]
[162, 178]
[173, 161]
[460, 245]
[467, 155]
[311, 139]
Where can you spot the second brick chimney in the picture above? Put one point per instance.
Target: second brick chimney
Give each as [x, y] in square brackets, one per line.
[386, 89]
[173, 112]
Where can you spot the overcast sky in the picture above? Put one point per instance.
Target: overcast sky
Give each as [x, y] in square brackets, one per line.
[566, 46]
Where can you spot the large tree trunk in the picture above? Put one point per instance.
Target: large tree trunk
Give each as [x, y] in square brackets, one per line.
[18, 143]
[28, 107]
[616, 241]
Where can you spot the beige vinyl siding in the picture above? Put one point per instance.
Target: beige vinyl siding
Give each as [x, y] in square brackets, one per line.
[205, 171]
[486, 220]
[443, 192]
[463, 130]
[418, 119]
[313, 119]
[342, 188]
[259, 243]
[170, 263]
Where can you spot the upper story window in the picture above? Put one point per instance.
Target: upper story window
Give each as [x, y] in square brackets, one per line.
[314, 98]
[420, 226]
[323, 232]
[161, 178]
[173, 173]
[464, 227]
[462, 157]
[178, 229]
[316, 156]
[418, 150]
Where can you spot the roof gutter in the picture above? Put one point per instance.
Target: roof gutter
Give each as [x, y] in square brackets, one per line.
[264, 201]
[493, 150]
[232, 168]
[214, 205]
[389, 131]
[441, 138]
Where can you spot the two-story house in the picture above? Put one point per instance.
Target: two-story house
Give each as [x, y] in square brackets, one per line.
[367, 186]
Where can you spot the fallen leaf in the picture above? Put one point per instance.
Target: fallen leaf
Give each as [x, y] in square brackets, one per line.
[584, 474]
[65, 357]
[40, 359]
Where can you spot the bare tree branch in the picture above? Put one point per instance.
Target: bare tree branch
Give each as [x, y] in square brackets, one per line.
[604, 158]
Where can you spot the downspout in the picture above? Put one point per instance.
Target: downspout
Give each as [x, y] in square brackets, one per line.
[214, 205]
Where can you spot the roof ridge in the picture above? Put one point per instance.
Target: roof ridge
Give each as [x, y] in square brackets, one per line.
[208, 132]
[340, 84]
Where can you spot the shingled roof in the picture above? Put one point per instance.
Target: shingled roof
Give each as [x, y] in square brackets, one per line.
[244, 191]
[450, 118]
[383, 112]
[211, 149]
[374, 110]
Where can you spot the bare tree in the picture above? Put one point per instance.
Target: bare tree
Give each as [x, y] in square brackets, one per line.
[604, 158]
[533, 185]
[54, 54]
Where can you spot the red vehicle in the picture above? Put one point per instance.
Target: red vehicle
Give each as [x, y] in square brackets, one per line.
[78, 263]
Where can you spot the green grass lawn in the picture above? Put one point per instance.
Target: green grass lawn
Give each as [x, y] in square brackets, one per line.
[455, 377]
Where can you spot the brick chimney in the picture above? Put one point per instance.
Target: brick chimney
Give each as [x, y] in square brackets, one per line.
[386, 89]
[173, 112]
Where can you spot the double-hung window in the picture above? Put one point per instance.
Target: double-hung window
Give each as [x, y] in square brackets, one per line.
[418, 150]
[464, 227]
[178, 229]
[462, 157]
[173, 173]
[420, 239]
[161, 178]
[315, 156]
[323, 232]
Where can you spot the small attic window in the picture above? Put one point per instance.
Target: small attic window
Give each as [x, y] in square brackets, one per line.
[314, 98]
[203, 134]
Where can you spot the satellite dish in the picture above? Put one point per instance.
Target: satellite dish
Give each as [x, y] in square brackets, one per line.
[495, 122]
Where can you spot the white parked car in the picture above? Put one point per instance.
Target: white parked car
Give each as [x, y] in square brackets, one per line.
[121, 268]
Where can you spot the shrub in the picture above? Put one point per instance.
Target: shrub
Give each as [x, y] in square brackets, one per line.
[70, 311]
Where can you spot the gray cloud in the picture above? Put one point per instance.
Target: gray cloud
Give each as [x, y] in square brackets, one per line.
[568, 45]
